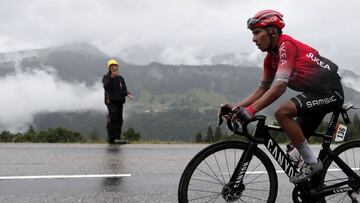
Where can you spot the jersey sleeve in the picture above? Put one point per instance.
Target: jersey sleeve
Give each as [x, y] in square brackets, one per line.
[268, 74]
[287, 56]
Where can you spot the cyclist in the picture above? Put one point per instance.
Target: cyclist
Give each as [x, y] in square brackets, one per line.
[291, 63]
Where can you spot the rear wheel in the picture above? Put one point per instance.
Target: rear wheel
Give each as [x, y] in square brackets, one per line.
[349, 152]
[206, 177]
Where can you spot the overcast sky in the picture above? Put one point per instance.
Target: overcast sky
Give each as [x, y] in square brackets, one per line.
[176, 31]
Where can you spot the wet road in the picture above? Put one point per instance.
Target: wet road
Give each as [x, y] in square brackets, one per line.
[155, 172]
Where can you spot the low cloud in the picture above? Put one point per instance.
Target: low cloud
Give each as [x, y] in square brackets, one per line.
[353, 82]
[186, 55]
[25, 94]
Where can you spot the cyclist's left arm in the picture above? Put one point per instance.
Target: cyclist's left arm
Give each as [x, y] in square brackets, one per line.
[287, 56]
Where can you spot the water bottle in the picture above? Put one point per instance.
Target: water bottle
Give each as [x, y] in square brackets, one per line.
[294, 155]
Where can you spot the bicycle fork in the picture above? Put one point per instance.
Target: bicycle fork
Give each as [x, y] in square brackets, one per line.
[234, 188]
[243, 164]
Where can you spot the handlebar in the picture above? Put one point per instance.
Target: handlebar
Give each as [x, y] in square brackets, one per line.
[226, 111]
[236, 126]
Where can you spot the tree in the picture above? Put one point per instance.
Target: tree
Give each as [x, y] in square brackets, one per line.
[218, 134]
[30, 135]
[210, 136]
[131, 135]
[52, 135]
[353, 129]
[198, 137]
[94, 135]
[6, 136]
[62, 135]
[31, 130]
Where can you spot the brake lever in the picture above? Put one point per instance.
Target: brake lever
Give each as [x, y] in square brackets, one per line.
[221, 120]
[236, 127]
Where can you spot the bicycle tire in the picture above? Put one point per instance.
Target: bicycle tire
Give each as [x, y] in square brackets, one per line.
[208, 156]
[347, 152]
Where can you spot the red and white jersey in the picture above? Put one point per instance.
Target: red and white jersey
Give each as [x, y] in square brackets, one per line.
[300, 65]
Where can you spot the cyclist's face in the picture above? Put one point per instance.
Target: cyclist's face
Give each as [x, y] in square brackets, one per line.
[261, 38]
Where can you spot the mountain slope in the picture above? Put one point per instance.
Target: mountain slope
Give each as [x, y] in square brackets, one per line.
[172, 102]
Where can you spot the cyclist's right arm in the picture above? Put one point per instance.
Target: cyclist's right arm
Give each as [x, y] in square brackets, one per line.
[255, 95]
[267, 78]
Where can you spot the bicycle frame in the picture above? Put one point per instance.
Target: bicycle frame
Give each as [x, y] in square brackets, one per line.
[262, 136]
[326, 152]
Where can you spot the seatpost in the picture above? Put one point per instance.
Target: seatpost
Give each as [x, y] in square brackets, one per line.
[329, 134]
[332, 124]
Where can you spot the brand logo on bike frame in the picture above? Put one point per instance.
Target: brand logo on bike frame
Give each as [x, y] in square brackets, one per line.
[241, 174]
[341, 190]
[280, 157]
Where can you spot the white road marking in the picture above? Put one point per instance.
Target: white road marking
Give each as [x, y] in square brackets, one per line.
[331, 170]
[64, 176]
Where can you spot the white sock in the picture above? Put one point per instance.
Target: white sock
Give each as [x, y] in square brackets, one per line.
[306, 153]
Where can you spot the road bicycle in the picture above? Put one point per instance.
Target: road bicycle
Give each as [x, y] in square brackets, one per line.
[240, 171]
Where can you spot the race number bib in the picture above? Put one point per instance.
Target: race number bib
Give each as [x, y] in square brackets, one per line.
[340, 132]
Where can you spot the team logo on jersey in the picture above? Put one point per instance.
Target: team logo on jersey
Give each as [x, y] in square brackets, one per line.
[318, 102]
[282, 54]
[321, 63]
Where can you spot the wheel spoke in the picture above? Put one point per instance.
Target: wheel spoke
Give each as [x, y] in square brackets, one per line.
[235, 159]
[254, 178]
[252, 171]
[335, 177]
[333, 196]
[354, 158]
[343, 198]
[214, 198]
[202, 197]
[255, 189]
[214, 173]
[335, 166]
[198, 190]
[217, 163]
[205, 177]
[254, 197]
[336, 180]
[227, 164]
[207, 181]
[241, 200]
[209, 175]
[256, 182]
[346, 158]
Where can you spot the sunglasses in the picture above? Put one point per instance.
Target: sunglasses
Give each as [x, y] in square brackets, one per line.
[251, 22]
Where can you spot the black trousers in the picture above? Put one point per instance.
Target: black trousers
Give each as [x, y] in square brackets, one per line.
[313, 106]
[115, 120]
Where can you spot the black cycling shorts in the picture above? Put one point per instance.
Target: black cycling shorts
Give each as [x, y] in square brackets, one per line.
[313, 106]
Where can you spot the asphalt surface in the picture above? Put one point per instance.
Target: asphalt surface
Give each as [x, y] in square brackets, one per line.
[155, 172]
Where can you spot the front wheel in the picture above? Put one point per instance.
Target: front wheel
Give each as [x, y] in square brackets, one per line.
[349, 152]
[206, 177]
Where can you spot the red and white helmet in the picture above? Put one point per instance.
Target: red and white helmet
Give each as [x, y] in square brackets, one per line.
[265, 18]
